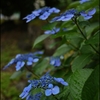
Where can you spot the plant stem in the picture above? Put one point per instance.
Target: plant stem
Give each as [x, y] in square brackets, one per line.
[75, 20]
[36, 76]
[55, 97]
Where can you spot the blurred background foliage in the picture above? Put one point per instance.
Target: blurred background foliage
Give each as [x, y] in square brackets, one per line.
[18, 37]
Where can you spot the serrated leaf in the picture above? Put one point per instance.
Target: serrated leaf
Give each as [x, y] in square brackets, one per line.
[40, 39]
[91, 28]
[61, 50]
[94, 39]
[16, 74]
[80, 61]
[77, 80]
[91, 87]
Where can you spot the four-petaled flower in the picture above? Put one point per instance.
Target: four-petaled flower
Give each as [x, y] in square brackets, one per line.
[52, 90]
[55, 61]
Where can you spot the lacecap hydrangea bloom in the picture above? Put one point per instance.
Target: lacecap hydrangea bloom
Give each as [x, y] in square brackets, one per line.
[42, 13]
[47, 83]
[20, 60]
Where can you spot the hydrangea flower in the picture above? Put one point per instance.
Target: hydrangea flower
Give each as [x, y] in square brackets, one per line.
[52, 90]
[34, 97]
[60, 80]
[20, 59]
[26, 91]
[82, 1]
[67, 15]
[42, 13]
[53, 31]
[89, 14]
[55, 61]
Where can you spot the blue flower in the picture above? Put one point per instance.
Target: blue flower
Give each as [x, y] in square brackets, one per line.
[44, 16]
[20, 59]
[54, 10]
[55, 61]
[82, 1]
[34, 97]
[60, 80]
[42, 13]
[89, 14]
[52, 90]
[67, 15]
[29, 17]
[26, 91]
[19, 65]
[53, 31]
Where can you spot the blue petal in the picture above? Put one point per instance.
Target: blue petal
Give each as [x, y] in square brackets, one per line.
[29, 63]
[64, 83]
[50, 86]
[35, 60]
[48, 92]
[92, 12]
[55, 90]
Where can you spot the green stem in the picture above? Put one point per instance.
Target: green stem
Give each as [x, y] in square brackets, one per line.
[75, 20]
[55, 97]
[36, 76]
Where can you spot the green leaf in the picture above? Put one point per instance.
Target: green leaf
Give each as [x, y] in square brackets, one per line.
[94, 39]
[90, 29]
[16, 74]
[77, 80]
[41, 66]
[91, 87]
[86, 49]
[61, 50]
[40, 39]
[80, 61]
[49, 26]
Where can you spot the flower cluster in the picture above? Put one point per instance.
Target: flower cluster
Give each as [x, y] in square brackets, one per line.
[47, 83]
[20, 59]
[43, 13]
[67, 15]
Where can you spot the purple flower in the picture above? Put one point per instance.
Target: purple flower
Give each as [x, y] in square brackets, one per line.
[89, 14]
[55, 61]
[44, 16]
[26, 91]
[52, 90]
[82, 1]
[53, 31]
[60, 80]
